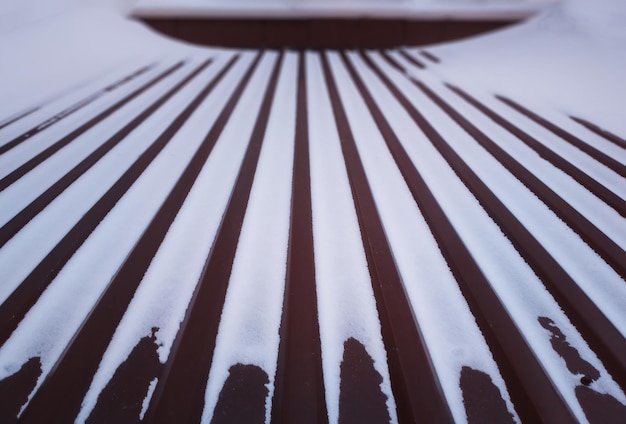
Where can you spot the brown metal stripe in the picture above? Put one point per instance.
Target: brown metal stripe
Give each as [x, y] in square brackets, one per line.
[411, 59]
[414, 381]
[70, 110]
[8, 230]
[74, 370]
[595, 327]
[620, 142]
[13, 119]
[428, 55]
[299, 387]
[24, 297]
[610, 252]
[558, 161]
[179, 395]
[64, 141]
[532, 392]
[601, 157]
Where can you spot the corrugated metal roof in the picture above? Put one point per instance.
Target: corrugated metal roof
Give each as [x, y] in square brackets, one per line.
[144, 212]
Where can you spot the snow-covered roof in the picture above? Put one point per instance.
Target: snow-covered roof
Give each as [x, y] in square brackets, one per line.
[225, 235]
[429, 9]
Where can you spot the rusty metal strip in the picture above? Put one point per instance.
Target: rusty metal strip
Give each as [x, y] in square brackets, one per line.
[8, 230]
[599, 190]
[595, 327]
[414, 381]
[411, 59]
[601, 157]
[74, 370]
[23, 169]
[531, 389]
[607, 135]
[299, 387]
[13, 119]
[19, 302]
[610, 252]
[179, 395]
[74, 108]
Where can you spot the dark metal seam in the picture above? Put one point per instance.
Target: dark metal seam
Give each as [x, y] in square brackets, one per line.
[610, 252]
[299, 394]
[15, 224]
[594, 326]
[415, 383]
[599, 190]
[70, 110]
[179, 395]
[23, 169]
[531, 389]
[17, 304]
[599, 156]
[75, 368]
[618, 141]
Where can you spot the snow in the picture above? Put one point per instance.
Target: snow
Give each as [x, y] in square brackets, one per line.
[346, 302]
[570, 60]
[513, 280]
[41, 34]
[250, 322]
[456, 340]
[178, 264]
[63, 306]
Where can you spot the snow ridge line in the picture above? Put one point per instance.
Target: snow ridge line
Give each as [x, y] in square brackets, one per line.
[599, 190]
[411, 59]
[16, 305]
[595, 327]
[300, 352]
[610, 252]
[180, 392]
[14, 118]
[418, 393]
[76, 367]
[618, 141]
[29, 165]
[12, 227]
[531, 389]
[70, 110]
[599, 156]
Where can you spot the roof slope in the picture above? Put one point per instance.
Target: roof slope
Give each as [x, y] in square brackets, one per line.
[240, 236]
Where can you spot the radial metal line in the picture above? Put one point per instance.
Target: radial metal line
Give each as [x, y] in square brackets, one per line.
[15, 224]
[599, 156]
[13, 119]
[29, 165]
[411, 59]
[180, 391]
[299, 387]
[70, 110]
[618, 141]
[599, 190]
[75, 368]
[531, 389]
[414, 381]
[27, 293]
[610, 252]
[594, 326]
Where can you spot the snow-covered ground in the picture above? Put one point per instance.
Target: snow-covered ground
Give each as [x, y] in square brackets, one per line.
[569, 60]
